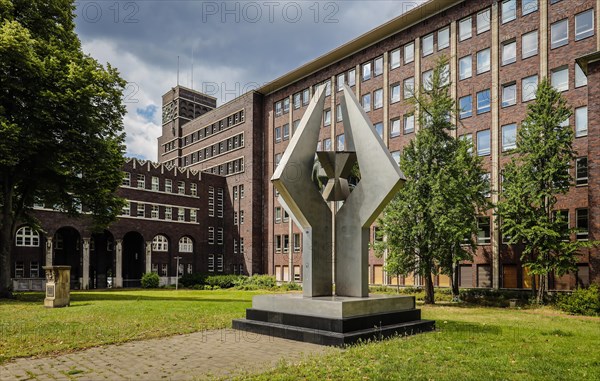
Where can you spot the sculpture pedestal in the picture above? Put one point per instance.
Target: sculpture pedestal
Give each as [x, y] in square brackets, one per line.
[58, 286]
[333, 320]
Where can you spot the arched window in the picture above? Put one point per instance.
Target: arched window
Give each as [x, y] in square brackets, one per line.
[160, 243]
[28, 237]
[186, 245]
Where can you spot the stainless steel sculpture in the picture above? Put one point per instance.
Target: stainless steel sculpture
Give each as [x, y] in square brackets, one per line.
[380, 180]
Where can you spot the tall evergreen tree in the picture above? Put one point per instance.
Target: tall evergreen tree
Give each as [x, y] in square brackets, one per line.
[430, 224]
[537, 174]
[61, 129]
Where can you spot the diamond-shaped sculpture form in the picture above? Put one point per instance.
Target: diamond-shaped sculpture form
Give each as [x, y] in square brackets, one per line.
[380, 180]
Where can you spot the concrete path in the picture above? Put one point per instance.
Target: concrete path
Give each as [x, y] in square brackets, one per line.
[201, 355]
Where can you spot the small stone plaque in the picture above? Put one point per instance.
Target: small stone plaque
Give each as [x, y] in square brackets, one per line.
[50, 291]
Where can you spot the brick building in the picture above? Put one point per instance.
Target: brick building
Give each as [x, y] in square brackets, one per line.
[498, 51]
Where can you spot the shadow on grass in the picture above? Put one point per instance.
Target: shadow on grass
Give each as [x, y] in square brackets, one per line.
[461, 327]
[123, 295]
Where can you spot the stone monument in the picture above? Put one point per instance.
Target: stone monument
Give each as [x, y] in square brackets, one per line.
[319, 316]
[58, 286]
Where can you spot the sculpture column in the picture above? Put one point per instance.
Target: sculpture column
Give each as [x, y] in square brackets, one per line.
[85, 282]
[119, 264]
[49, 251]
[148, 256]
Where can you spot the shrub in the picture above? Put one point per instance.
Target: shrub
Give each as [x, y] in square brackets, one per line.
[291, 287]
[256, 282]
[222, 281]
[150, 280]
[583, 301]
[192, 280]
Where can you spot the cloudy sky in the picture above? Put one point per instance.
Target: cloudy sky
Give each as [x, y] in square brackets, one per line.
[233, 45]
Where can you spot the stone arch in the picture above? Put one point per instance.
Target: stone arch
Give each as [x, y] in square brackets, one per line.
[67, 251]
[133, 259]
[102, 259]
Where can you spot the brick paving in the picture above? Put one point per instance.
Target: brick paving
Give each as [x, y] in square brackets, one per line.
[201, 355]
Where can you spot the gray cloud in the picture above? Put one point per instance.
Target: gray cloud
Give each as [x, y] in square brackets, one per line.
[234, 43]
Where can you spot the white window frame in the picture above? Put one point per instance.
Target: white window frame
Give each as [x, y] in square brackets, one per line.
[186, 245]
[465, 29]
[484, 19]
[465, 63]
[160, 243]
[554, 41]
[27, 237]
[557, 75]
[580, 35]
[527, 37]
[527, 94]
[509, 11]
[508, 145]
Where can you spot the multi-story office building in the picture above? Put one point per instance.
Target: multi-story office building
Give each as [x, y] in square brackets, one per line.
[497, 52]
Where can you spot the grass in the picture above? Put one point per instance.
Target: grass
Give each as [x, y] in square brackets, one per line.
[107, 317]
[470, 344]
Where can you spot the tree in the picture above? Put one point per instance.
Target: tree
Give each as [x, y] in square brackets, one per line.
[61, 128]
[537, 174]
[430, 224]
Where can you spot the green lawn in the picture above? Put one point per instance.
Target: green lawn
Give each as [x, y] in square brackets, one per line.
[470, 344]
[104, 317]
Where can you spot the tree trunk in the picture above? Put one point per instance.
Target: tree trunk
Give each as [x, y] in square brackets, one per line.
[454, 280]
[398, 283]
[6, 241]
[541, 293]
[429, 292]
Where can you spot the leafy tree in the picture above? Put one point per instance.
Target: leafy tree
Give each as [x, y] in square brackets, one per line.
[430, 224]
[537, 174]
[61, 129]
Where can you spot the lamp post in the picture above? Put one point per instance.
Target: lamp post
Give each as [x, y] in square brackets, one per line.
[177, 273]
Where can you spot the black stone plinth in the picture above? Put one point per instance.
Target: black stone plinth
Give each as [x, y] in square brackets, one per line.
[332, 331]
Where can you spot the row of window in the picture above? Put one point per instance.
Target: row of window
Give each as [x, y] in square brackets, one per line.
[279, 213]
[34, 269]
[222, 147]
[238, 191]
[211, 202]
[300, 99]
[161, 243]
[211, 263]
[238, 217]
[164, 268]
[242, 249]
[282, 273]
[231, 167]
[159, 212]
[211, 235]
[282, 243]
[167, 186]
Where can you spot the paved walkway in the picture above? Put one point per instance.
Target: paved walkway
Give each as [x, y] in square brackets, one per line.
[207, 354]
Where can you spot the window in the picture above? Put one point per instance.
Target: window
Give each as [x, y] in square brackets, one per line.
[378, 99]
[168, 213]
[395, 93]
[584, 25]
[180, 214]
[286, 105]
[141, 210]
[296, 242]
[126, 179]
[464, 67]
[338, 113]
[297, 100]
[396, 156]
[327, 118]
[168, 186]
[34, 269]
[560, 78]
[395, 127]
[466, 106]
[341, 78]
[366, 71]
[194, 189]
[155, 183]
[154, 212]
[483, 143]
[465, 29]
[141, 181]
[379, 129]
[186, 245]
[427, 78]
[126, 209]
[409, 123]
[528, 88]
[529, 44]
[528, 6]
[286, 243]
[582, 224]
[181, 187]
[427, 43]
[219, 236]
[580, 77]
[509, 52]
[559, 33]
[483, 231]
[160, 243]
[193, 215]
[394, 59]
[581, 121]
[27, 237]
[278, 244]
[483, 61]
[241, 217]
[277, 134]
[509, 137]
[483, 101]
[409, 87]
[509, 10]
[581, 171]
[409, 53]
[443, 38]
[211, 235]
[211, 263]
[278, 109]
[352, 77]
[220, 263]
[241, 191]
[277, 215]
[327, 144]
[378, 67]
[19, 270]
[509, 94]
[305, 96]
[340, 142]
[486, 177]
[483, 21]
[366, 102]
